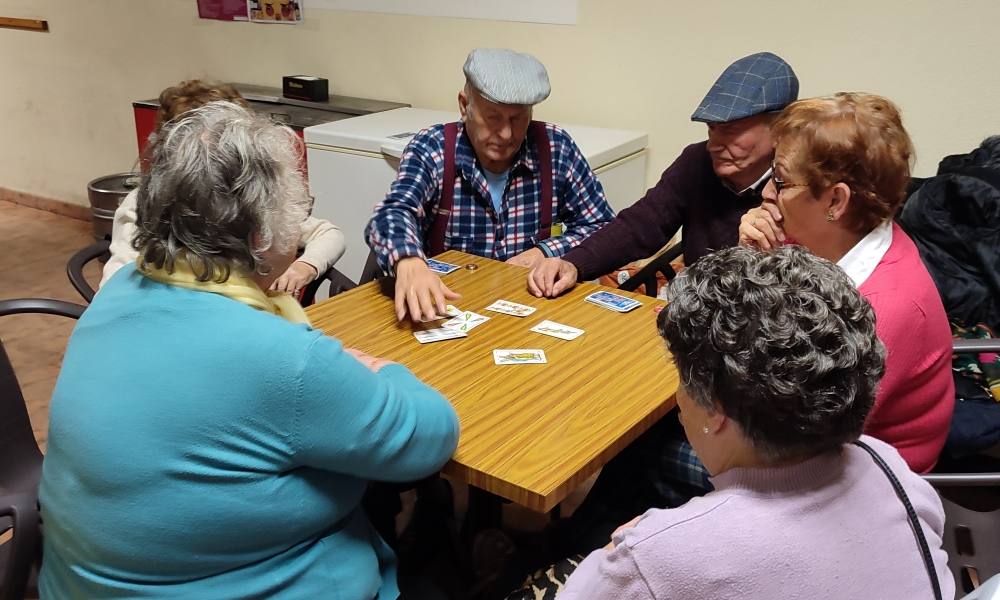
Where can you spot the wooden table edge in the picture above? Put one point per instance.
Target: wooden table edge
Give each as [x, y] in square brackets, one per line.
[545, 501]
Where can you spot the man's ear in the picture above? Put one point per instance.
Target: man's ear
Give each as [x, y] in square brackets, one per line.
[463, 103]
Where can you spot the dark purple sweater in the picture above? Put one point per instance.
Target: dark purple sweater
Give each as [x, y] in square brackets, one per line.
[689, 193]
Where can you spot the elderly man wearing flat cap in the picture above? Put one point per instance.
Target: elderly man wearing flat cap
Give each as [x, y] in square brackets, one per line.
[495, 184]
[706, 190]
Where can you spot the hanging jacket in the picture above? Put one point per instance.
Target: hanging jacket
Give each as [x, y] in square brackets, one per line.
[954, 219]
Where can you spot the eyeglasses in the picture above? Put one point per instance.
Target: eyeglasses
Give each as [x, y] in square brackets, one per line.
[779, 184]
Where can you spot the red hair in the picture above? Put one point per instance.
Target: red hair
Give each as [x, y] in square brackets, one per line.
[852, 138]
[178, 99]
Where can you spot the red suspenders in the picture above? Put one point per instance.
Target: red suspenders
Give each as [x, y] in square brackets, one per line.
[442, 214]
[541, 138]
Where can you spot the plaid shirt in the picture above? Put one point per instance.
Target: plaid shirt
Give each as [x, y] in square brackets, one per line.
[403, 219]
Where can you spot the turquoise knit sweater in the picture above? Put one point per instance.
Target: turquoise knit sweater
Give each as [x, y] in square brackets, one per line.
[199, 448]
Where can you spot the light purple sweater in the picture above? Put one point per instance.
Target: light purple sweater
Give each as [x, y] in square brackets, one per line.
[830, 527]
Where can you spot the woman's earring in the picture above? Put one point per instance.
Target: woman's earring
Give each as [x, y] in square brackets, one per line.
[704, 429]
[829, 215]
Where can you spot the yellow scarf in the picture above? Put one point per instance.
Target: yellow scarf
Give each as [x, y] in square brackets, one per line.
[239, 287]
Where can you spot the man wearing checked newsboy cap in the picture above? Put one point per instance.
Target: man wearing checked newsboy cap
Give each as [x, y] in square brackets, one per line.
[495, 184]
[706, 190]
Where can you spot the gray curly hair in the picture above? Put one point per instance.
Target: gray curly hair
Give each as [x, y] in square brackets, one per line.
[223, 187]
[781, 342]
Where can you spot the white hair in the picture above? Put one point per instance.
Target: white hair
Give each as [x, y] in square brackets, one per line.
[223, 187]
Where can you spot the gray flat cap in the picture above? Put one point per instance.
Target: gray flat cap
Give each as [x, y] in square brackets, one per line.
[507, 77]
[754, 84]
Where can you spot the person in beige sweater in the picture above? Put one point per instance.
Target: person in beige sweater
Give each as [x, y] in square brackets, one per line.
[321, 242]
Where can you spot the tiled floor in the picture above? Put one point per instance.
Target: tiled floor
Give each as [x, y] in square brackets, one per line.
[34, 248]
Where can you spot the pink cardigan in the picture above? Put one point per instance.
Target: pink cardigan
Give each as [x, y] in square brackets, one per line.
[916, 397]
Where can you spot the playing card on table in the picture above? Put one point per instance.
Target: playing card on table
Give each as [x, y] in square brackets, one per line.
[558, 330]
[450, 311]
[436, 335]
[440, 267]
[518, 356]
[613, 301]
[511, 308]
[465, 321]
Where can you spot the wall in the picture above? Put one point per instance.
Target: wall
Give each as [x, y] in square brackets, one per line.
[65, 114]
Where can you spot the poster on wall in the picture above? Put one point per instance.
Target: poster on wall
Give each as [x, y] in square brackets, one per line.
[275, 11]
[223, 10]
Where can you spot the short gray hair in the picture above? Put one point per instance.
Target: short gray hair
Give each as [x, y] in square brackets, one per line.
[223, 187]
[781, 341]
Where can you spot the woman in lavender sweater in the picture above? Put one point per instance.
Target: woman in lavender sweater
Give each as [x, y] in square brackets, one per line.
[779, 364]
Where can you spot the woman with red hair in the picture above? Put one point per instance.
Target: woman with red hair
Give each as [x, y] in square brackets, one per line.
[841, 167]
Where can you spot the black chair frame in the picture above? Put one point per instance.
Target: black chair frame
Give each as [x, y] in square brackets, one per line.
[971, 503]
[646, 276]
[21, 465]
[74, 268]
[340, 282]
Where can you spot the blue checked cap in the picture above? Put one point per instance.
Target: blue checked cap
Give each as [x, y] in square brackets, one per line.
[754, 84]
[507, 77]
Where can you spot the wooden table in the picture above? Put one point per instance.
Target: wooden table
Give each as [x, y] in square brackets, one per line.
[530, 433]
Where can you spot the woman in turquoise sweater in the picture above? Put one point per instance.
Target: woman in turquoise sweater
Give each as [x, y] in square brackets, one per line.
[204, 441]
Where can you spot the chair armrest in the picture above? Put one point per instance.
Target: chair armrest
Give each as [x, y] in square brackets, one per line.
[74, 268]
[338, 283]
[44, 306]
[976, 345]
[962, 479]
[22, 511]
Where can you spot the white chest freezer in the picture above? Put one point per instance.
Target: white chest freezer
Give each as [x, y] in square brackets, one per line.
[353, 162]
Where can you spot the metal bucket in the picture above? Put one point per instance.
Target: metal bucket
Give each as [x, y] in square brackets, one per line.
[105, 194]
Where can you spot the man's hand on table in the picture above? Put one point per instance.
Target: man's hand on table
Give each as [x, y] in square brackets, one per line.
[373, 363]
[552, 277]
[420, 293]
[528, 258]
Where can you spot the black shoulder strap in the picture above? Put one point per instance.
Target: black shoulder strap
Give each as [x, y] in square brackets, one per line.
[911, 514]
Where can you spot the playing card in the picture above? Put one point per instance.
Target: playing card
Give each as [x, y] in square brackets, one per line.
[449, 311]
[613, 301]
[440, 267]
[518, 356]
[436, 335]
[465, 321]
[558, 330]
[511, 308]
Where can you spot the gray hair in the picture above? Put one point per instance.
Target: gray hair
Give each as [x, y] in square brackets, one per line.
[223, 187]
[781, 342]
